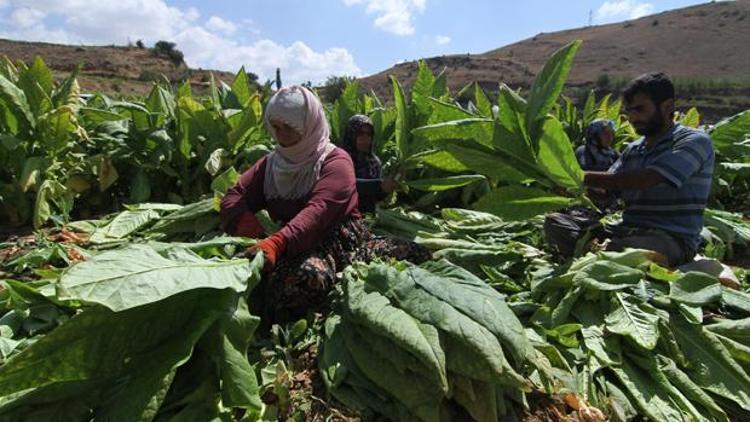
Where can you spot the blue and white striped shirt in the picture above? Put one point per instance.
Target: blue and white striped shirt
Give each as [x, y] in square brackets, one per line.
[685, 158]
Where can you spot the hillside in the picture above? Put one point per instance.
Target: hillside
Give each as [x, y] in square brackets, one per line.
[704, 48]
[111, 69]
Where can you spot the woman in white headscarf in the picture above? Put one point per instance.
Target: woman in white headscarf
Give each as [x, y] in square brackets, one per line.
[308, 185]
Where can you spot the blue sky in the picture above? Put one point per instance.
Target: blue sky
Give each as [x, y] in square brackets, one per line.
[308, 39]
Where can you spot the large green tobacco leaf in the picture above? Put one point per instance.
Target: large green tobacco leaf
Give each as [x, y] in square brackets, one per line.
[476, 397]
[422, 91]
[161, 104]
[547, 87]
[692, 118]
[376, 357]
[483, 162]
[347, 383]
[686, 407]
[68, 92]
[241, 87]
[440, 87]
[476, 299]
[738, 330]
[138, 275]
[400, 287]
[556, 156]
[605, 347]
[32, 173]
[647, 394]
[634, 318]
[16, 102]
[248, 123]
[607, 275]
[711, 365]
[106, 361]
[98, 116]
[402, 120]
[441, 160]
[476, 129]
[37, 83]
[695, 289]
[520, 203]
[346, 106]
[374, 311]
[443, 112]
[124, 224]
[57, 128]
[736, 299]
[690, 389]
[729, 132]
[512, 111]
[239, 386]
[482, 102]
[445, 183]
[472, 221]
[51, 198]
[192, 218]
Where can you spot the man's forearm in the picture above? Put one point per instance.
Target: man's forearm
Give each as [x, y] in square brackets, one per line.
[630, 180]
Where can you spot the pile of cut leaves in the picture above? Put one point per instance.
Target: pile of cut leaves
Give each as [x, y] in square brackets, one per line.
[410, 341]
[144, 330]
[613, 335]
[633, 338]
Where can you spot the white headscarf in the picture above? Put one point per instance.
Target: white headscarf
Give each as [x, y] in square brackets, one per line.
[291, 172]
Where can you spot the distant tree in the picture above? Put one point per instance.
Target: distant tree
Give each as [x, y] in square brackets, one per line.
[169, 50]
[278, 78]
[140, 44]
[334, 86]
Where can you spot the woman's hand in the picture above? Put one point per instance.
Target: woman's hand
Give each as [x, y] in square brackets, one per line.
[272, 248]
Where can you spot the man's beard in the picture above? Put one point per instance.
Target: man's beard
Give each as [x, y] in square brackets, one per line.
[652, 127]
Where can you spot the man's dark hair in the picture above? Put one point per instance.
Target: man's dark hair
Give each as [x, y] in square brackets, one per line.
[657, 85]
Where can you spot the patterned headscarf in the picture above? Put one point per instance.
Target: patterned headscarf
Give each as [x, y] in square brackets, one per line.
[367, 165]
[595, 128]
[594, 157]
[291, 172]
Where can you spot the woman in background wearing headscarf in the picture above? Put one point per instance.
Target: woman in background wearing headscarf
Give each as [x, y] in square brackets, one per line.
[308, 185]
[358, 142]
[597, 154]
[563, 229]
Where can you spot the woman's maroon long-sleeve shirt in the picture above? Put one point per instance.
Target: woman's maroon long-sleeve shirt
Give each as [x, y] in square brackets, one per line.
[306, 220]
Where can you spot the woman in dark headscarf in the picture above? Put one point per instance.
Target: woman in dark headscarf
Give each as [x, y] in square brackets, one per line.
[597, 153]
[358, 142]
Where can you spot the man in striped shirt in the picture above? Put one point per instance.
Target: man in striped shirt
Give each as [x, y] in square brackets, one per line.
[664, 177]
